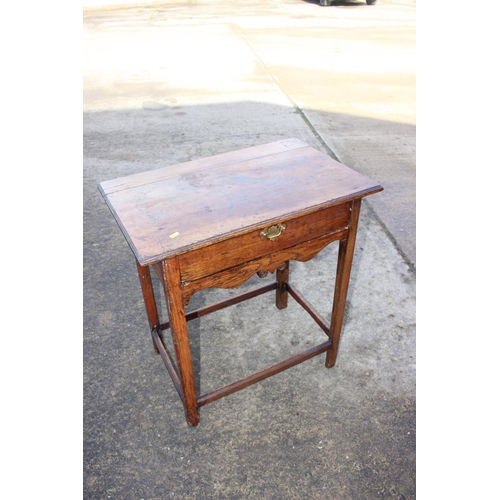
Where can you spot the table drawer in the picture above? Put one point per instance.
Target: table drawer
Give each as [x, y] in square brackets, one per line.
[242, 248]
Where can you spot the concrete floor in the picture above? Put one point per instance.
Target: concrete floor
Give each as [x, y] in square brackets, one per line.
[175, 81]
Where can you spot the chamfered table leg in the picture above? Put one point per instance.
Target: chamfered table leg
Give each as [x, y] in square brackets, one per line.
[178, 327]
[149, 297]
[281, 291]
[344, 263]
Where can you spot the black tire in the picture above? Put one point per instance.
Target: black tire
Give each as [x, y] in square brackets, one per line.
[326, 3]
[371, 2]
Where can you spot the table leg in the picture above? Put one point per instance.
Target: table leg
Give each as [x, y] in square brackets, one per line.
[149, 297]
[281, 292]
[344, 263]
[178, 327]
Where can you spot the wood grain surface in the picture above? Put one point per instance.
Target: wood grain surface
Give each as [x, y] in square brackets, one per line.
[176, 209]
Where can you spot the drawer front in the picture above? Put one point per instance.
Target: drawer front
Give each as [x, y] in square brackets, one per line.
[243, 248]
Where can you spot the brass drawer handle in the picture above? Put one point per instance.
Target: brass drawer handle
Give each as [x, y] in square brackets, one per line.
[273, 232]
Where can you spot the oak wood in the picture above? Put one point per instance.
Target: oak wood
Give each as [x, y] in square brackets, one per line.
[199, 224]
[202, 164]
[225, 254]
[261, 375]
[149, 298]
[160, 346]
[179, 330]
[177, 210]
[237, 275]
[198, 313]
[344, 263]
[282, 274]
[309, 308]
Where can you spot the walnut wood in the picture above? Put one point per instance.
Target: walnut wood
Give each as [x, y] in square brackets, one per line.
[175, 308]
[344, 263]
[281, 289]
[261, 375]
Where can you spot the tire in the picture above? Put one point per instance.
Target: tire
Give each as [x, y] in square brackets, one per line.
[326, 3]
[371, 2]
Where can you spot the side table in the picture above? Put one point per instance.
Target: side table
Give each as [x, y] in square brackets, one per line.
[215, 222]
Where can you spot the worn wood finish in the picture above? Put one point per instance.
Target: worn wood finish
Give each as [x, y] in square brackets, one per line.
[149, 298]
[282, 274]
[166, 359]
[176, 315]
[198, 313]
[309, 308]
[200, 165]
[261, 375]
[237, 275]
[217, 221]
[344, 263]
[225, 254]
[180, 209]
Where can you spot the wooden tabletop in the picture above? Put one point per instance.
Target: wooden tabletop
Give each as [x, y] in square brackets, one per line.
[174, 209]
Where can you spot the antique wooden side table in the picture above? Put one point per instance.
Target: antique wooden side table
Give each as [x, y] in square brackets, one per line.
[215, 222]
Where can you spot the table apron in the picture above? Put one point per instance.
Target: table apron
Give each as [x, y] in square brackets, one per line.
[233, 251]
